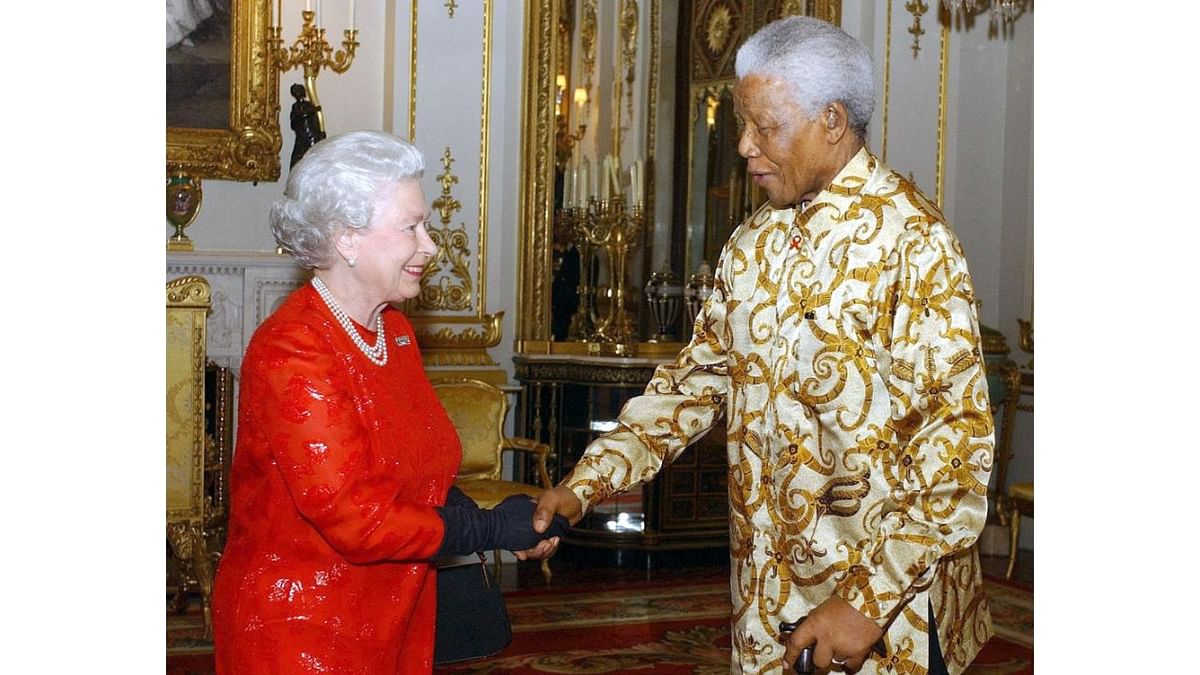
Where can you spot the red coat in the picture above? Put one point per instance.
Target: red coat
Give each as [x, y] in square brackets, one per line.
[338, 466]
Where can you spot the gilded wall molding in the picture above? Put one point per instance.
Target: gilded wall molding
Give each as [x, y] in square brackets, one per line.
[454, 343]
[830, 10]
[917, 8]
[537, 144]
[628, 52]
[887, 79]
[652, 125]
[451, 287]
[453, 291]
[485, 104]
[587, 42]
[412, 76]
[943, 85]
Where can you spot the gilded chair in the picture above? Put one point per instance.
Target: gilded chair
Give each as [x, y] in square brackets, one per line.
[1020, 495]
[1005, 405]
[478, 411]
[188, 303]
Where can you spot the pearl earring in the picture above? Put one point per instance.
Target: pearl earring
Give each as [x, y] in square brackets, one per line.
[351, 261]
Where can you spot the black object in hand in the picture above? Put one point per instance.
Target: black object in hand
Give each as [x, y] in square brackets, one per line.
[804, 662]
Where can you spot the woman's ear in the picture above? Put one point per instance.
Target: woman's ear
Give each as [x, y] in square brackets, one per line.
[346, 243]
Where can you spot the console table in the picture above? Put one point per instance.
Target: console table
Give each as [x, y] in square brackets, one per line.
[570, 400]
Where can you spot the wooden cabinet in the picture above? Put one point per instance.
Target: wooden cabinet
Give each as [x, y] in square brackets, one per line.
[569, 400]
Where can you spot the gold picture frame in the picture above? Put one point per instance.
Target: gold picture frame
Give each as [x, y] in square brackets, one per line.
[248, 149]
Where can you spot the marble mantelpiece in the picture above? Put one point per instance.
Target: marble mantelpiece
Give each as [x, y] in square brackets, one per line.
[246, 288]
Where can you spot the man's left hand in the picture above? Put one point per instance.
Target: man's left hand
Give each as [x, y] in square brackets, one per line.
[840, 632]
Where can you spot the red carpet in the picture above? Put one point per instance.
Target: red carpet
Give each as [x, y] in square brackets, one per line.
[676, 628]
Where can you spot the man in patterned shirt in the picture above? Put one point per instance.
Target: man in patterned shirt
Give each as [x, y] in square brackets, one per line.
[841, 345]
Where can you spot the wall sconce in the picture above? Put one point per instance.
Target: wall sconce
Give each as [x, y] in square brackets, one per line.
[564, 140]
[311, 51]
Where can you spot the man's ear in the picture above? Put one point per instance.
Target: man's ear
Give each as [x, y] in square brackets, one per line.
[836, 121]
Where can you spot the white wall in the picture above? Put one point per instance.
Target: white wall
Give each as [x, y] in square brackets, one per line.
[987, 171]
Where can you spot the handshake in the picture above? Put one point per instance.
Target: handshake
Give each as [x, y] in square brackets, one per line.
[509, 526]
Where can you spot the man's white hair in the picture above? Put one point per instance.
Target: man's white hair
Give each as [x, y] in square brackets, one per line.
[819, 62]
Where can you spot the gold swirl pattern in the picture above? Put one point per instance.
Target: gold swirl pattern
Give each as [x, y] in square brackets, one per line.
[842, 347]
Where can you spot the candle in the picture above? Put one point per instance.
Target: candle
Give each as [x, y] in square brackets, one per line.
[308, 5]
[319, 21]
[614, 174]
[585, 185]
[604, 186]
[641, 181]
[573, 188]
[279, 14]
[633, 183]
[352, 17]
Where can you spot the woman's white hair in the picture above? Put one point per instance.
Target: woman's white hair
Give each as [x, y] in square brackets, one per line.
[336, 186]
[819, 62]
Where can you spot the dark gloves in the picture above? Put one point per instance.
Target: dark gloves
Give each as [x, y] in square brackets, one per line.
[509, 526]
[456, 498]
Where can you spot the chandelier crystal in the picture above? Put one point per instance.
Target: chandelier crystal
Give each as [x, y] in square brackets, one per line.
[1005, 10]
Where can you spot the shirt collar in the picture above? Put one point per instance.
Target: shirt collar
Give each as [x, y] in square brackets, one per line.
[821, 213]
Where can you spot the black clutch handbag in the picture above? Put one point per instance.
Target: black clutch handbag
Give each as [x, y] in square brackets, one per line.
[472, 620]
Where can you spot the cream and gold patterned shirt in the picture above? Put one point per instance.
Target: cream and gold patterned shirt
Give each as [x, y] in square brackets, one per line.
[842, 346]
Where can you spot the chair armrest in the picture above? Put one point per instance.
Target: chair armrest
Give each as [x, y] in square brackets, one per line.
[540, 449]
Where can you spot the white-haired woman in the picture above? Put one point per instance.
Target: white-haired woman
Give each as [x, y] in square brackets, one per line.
[342, 480]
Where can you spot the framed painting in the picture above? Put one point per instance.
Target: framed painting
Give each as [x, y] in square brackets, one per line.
[222, 107]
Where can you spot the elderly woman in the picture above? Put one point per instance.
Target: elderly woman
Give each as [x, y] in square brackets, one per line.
[345, 458]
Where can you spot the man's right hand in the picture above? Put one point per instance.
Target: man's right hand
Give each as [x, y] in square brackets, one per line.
[559, 500]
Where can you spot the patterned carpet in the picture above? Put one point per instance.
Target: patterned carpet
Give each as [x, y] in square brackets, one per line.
[685, 629]
[640, 628]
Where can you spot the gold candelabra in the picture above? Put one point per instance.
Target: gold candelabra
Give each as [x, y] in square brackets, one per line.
[312, 52]
[604, 225]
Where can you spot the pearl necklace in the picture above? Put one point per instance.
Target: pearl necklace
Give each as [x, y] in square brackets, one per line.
[376, 354]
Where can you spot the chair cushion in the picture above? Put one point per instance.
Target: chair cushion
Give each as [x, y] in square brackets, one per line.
[488, 493]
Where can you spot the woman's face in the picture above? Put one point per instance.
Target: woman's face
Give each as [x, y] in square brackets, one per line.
[393, 250]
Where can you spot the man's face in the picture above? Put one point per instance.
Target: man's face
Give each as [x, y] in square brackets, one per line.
[787, 154]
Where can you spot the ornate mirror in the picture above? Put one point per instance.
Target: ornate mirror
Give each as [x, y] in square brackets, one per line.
[638, 93]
